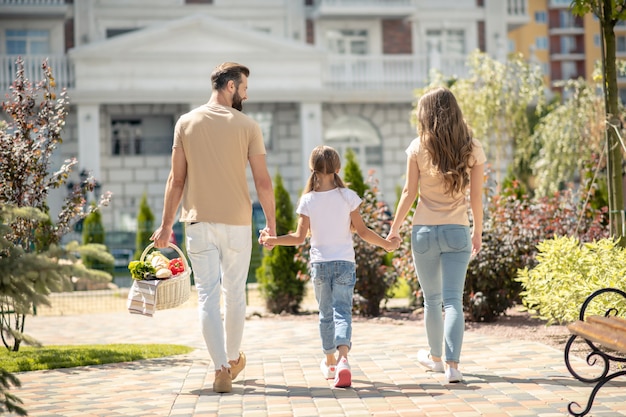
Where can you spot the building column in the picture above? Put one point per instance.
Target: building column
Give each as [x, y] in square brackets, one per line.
[496, 12]
[311, 133]
[89, 139]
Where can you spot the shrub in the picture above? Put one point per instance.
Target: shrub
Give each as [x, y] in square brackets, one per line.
[513, 228]
[279, 276]
[93, 233]
[145, 226]
[567, 272]
[374, 271]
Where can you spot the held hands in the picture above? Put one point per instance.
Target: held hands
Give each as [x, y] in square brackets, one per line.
[264, 236]
[393, 243]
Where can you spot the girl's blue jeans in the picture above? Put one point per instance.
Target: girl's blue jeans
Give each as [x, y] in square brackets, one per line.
[441, 255]
[334, 285]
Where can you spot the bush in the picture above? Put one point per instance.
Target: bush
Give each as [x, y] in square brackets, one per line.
[145, 226]
[93, 233]
[375, 275]
[279, 276]
[374, 271]
[567, 272]
[513, 228]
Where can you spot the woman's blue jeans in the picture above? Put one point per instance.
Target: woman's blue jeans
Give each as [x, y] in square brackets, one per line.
[334, 285]
[441, 255]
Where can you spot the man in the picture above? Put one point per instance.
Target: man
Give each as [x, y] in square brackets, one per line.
[212, 146]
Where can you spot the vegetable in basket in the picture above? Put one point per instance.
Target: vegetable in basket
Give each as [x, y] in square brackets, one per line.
[161, 263]
[141, 270]
[177, 266]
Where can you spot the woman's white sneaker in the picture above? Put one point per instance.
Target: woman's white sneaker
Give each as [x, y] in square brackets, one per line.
[453, 375]
[423, 357]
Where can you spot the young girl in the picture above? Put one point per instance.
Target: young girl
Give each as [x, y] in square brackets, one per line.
[328, 209]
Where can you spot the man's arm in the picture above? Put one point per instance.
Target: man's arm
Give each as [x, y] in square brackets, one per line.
[265, 191]
[173, 196]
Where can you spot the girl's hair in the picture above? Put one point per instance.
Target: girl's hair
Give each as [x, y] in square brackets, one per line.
[323, 160]
[446, 137]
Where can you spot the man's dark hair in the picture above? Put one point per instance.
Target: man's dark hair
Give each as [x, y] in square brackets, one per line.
[226, 72]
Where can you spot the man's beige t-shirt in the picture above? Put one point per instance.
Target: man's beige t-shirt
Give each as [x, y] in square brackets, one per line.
[434, 207]
[217, 142]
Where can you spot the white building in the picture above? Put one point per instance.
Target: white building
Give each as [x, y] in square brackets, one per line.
[339, 72]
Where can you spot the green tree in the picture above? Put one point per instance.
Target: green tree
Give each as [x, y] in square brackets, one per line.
[281, 276]
[499, 101]
[93, 233]
[352, 174]
[609, 12]
[572, 133]
[32, 263]
[145, 226]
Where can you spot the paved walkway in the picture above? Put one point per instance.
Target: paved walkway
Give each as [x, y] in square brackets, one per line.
[282, 379]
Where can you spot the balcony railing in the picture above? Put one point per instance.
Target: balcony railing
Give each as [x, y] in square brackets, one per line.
[32, 2]
[62, 71]
[354, 8]
[389, 71]
[363, 72]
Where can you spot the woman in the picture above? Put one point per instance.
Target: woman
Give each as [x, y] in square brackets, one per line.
[443, 162]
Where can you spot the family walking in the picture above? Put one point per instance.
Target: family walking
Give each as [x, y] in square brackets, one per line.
[214, 143]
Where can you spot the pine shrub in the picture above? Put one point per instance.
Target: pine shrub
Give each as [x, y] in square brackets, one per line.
[145, 226]
[280, 276]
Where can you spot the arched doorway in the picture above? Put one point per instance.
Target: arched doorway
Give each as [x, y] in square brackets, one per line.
[360, 135]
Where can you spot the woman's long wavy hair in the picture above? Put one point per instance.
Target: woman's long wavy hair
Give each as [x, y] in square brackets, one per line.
[323, 160]
[446, 137]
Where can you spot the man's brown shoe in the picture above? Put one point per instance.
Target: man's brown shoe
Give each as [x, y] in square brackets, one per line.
[223, 381]
[237, 366]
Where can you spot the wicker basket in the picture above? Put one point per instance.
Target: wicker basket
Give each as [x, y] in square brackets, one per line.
[173, 291]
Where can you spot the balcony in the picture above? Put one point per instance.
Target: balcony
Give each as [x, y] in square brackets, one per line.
[34, 8]
[517, 13]
[363, 73]
[372, 8]
[383, 72]
[62, 71]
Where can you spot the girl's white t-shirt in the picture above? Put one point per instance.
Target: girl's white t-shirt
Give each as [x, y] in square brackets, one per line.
[329, 215]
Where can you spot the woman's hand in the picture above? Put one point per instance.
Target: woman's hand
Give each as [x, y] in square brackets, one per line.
[477, 241]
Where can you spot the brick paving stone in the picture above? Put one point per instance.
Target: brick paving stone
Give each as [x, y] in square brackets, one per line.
[503, 378]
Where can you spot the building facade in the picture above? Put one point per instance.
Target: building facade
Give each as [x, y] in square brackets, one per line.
[336, 72]
[566, 46]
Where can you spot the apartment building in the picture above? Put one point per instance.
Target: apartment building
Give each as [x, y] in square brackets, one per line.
[336, 72]
[566, 46]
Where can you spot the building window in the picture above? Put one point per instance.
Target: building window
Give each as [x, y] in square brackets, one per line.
[117, 32]
[620, 44]
[596, 40]
[348, 41]
[142, 135]
[566, 19]
[568, 44]
[568, 70]
[541, 42]
[27, 41]
[451, 41]
[541, 16]
[265, 121]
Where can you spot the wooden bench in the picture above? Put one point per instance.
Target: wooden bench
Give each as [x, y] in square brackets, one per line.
[606, 338]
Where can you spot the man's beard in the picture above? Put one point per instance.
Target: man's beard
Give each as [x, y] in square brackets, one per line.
[237, 102]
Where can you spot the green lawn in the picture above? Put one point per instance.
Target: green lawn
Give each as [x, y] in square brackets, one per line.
[52, 357]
